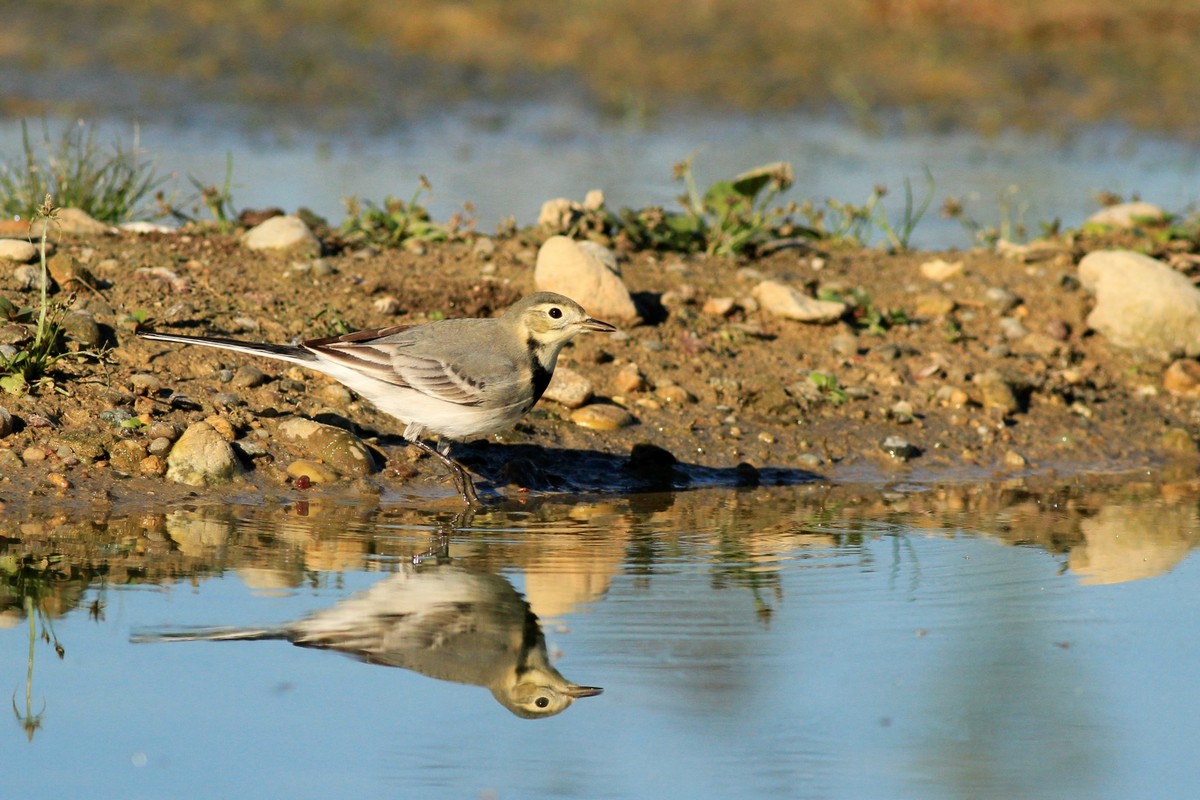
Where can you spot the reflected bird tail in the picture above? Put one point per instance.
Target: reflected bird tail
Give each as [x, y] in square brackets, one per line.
[207, 635]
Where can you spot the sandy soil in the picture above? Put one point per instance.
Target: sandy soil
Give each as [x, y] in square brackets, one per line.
[945, 376]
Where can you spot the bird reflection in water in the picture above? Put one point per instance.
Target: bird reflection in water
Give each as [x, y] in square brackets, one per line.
[440, 620]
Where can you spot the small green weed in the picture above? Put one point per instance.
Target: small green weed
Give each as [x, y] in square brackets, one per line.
[855, 225]
[393, 223]
[730, 218]
[1010, 227]
[29, 355]
[864, 314]
[112, 187]
[829, 387]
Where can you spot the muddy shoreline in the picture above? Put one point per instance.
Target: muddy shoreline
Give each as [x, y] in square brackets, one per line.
[934, 365]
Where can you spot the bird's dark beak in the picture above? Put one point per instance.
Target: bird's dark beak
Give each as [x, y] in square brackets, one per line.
[590, 324]
[582, 691]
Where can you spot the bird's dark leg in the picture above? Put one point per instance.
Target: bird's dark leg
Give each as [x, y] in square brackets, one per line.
[462, 481]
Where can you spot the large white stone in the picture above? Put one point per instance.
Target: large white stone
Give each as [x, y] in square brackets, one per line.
[282, 233]
[1142, 304]
[17, 250]
[587, 273]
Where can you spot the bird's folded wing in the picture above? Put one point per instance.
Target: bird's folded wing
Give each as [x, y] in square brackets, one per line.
[391, 363]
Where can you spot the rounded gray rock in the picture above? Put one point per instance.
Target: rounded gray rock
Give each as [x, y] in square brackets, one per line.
[336, 448]
[202, 457]
[1142, 304]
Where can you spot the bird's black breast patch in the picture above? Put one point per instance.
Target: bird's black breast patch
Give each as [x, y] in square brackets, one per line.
[541, 375]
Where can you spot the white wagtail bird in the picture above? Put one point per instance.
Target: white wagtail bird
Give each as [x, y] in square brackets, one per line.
[441, 620]
[454, 378]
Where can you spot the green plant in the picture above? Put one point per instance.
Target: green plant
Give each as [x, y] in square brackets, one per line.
[731, 217]
[39, 350]
[855, 224]
[864, 314]
[899, 237]
[736, 215]
[393, 223]
[111, 187]
[219, 199]
[828, 385]
[1010, 227]
[332, 323]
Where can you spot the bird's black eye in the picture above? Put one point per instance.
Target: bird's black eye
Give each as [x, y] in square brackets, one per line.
[555, 312]
[542, 702]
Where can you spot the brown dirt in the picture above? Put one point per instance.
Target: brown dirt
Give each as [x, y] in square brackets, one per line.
[1084, 407]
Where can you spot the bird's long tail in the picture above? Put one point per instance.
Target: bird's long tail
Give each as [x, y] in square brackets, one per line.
[282, 352]
[207, 635]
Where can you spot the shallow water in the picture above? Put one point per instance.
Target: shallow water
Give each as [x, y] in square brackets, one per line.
[976, 642]
[507, 160]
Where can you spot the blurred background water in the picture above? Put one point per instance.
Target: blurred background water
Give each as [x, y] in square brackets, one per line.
[1022, 112]
[508, 163]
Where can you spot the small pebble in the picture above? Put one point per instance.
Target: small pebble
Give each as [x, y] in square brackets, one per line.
[153, 465]
[672, 393]
[997, 392]
[941, 270]
[145, 383]
[115, 416]
[32, 455]
[6, 422]
[164, 430]
[1057, 329]
[719, 306]
[313, 471]
[1012, 329]
[569, 388]
[933, 305]
[899, 448]
[628, 379]
[222, 426]
[1014, 460]
[844, 344]
[386, 305]
[58, 481]
[1001, 299]
[484, 248]
[334, 394]
[249, 376]
[227, 400]
[159, 446]
[1182, 378]
[602, 417]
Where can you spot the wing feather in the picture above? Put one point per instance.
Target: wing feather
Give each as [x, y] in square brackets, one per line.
[390, 363]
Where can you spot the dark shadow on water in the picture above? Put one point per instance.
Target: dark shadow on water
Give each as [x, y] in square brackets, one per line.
[647, 468]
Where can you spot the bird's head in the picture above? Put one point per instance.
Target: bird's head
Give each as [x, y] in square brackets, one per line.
[550, 320]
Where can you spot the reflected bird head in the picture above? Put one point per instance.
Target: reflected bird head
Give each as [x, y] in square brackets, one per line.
[542, 693]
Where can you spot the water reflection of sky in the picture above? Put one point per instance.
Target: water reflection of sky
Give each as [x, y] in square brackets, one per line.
[507, 161]
[898, 662]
